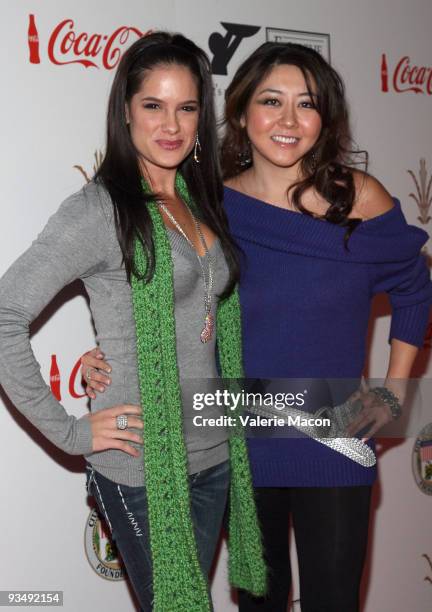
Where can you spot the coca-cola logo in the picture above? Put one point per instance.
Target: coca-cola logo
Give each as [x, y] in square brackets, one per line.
[67, 45]
[406, 76]
[74, 379]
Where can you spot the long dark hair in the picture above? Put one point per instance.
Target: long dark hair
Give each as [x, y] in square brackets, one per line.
[120, 170]
[327, 167]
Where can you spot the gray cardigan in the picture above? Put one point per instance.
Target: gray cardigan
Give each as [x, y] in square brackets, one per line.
[79, 241]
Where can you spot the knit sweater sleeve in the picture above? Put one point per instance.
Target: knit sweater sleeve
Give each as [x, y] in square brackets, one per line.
[409, 288]
[70, 246]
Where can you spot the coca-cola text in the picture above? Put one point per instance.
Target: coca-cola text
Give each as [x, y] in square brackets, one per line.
[67, 46]
[406, 77]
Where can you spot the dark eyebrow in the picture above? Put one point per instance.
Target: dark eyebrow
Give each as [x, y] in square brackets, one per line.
[278, 91]
[153, 99]
[269, 89]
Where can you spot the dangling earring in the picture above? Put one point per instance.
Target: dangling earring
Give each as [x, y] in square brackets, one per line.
[313, 161]
[244, 159]
[197, 149]
[245, 156]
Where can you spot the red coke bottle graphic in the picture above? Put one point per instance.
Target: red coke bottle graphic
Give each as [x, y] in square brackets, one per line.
[384, 73]
[33, 41]
[55, 378]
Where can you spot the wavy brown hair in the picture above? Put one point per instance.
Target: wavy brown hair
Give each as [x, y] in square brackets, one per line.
[120, 170]
[327, 167]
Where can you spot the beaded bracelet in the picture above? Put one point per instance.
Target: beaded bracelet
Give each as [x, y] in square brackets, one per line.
[390, 399]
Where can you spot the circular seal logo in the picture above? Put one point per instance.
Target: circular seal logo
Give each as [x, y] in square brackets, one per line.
[101, 552]
[422, 460]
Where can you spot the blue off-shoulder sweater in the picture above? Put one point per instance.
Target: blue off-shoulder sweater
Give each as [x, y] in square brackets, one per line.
[305, 309]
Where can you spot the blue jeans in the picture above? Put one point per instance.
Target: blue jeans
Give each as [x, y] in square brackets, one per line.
[125, 511]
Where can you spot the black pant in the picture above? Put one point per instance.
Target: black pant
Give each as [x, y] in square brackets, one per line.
[331, 529]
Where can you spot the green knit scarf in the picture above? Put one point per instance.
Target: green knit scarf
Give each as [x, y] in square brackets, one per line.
[179, 584]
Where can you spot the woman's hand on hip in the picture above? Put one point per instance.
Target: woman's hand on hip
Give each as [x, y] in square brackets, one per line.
[106, 435]
[94, 371]
[374, 414]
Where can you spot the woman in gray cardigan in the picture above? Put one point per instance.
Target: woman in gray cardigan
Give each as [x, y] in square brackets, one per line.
[160, 120]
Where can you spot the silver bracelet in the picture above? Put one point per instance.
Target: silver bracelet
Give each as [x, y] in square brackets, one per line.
[390, 399]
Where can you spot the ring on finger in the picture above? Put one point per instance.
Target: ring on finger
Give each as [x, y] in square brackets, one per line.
[122, 421]
[88, 374]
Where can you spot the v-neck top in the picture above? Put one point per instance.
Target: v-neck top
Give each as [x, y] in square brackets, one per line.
[80, 241]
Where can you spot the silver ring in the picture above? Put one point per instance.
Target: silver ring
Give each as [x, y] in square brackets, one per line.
[122, 421]
[88, 374]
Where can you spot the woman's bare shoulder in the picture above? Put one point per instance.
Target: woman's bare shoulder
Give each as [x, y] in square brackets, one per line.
[372, 199]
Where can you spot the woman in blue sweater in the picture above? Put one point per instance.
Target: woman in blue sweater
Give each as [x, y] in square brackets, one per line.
[319, 239]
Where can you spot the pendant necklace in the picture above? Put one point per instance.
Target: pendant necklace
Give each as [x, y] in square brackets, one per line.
[208, 328]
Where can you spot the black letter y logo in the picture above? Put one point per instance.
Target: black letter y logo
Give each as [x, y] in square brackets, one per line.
[224, 47]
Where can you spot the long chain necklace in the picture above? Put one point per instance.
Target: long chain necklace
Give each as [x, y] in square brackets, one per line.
[208, 328]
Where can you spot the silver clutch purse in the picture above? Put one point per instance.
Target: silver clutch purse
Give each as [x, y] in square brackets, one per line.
[333, 436]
